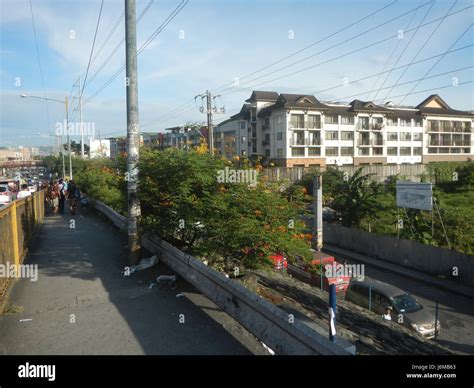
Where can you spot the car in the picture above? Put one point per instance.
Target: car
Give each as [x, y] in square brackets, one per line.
[6, 196]
[406, 309]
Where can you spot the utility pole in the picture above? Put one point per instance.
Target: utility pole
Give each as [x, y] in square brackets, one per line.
[318, 213]
[80, 118]
[209, 122]
[133, 131]
[68, 139]
[210, 109]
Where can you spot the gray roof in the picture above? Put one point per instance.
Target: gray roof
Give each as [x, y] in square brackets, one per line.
[387, 289]
[258, 95]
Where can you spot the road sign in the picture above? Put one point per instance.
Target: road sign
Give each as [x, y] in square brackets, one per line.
[415, 195]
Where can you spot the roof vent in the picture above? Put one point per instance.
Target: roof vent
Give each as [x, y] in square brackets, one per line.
[390, 104]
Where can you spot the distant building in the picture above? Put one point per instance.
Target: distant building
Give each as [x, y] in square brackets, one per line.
[99, 148]
[298, 130]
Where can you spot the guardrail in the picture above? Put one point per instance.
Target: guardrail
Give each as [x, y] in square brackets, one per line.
[17, 223]
[270, 324]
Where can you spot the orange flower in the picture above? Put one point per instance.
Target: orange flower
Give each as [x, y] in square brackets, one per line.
[258, 212]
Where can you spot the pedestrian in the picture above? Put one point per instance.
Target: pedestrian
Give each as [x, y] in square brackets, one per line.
[388, 314]
[73, 195]
[24, 192]
[54, 195]
[62, 195]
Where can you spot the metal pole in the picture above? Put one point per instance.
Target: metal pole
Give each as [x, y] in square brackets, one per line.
[209, 122]
[436, 320]
[62, 153]
[80, 118]
[370, 297]
[68, 139]
[332, 312]
[318, 213]
[133, 131]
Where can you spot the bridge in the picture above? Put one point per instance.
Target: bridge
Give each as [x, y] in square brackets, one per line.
[20, 163]
[74, 299]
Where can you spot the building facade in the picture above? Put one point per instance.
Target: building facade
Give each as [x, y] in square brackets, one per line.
[298, 130]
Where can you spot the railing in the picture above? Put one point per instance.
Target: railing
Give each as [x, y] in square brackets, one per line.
[363, 142]
[17, 221]
[298, 142]
[314, 142]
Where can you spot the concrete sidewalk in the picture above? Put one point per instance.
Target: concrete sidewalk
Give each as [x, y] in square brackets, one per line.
[82, 304]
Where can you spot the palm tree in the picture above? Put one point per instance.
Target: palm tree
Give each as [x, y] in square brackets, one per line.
[356, 198]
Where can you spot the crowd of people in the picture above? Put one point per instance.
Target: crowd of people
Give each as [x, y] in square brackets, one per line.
[60, 191]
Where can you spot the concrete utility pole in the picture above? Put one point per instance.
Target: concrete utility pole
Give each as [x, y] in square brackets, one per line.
[68, 139]
[318, 213]
[80, 118]
[133, 131]
[209, 122]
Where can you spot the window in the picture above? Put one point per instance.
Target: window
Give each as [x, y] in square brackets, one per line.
[332, 135]
[267, 137]
[297, 152]
[405, 151]
[405, 123]
[314, 121]
[363, 151]
[314, 151]
[418, 123]
[243, 153]
[417, 136]
[392, 151]
[279, 135]
[363, 123]
[347, 151]
[330, 119]
[332, 151]
[392, 122]
[417, 151]
[297, 121]
[405, 136]
[347, 120]
[242, 125]
[433, 125]
[279, 152]
[377, 151]
[392, 136]
[267, 153]
[347, 135]
[279, 119]
[244, 139]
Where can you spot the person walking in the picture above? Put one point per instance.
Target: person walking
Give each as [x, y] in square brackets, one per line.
[54, 196]
[73, 195]
[24, 192]
[62, 195]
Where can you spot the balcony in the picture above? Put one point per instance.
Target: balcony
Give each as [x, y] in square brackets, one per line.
[377, 126]
[377, 142]
[298, 141]
[364, 142]
[314, 142]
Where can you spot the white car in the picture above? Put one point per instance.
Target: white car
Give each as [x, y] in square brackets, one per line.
[6, 196]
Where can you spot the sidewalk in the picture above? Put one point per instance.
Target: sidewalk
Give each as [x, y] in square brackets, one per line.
[82, 304]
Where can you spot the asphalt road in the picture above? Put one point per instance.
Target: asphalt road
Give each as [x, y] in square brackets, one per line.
[455, 312]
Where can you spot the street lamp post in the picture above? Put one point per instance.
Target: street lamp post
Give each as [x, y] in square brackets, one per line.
[65, 102]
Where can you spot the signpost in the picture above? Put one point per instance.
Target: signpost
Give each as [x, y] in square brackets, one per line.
[415, 195]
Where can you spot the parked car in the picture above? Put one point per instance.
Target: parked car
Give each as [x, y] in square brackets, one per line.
[406, 309]
[6, 196]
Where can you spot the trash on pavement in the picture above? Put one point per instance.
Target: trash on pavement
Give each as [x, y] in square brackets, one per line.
[144, 264]
[166, 279]
[268, 349]
[179, 295]
[26, 320]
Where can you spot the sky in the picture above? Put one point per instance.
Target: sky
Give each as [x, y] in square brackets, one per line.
[229, 47]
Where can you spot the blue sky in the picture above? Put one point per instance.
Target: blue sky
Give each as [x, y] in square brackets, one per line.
[222, 40]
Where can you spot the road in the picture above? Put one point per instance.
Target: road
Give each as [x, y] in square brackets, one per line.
[456, 312]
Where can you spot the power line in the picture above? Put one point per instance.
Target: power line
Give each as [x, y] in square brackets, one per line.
[117, 47]
[344, 55]
[92, 50]
[39, 63]
[117, 23]
[330, 48]
[394, 50]
[405, 48]
[157, 31]
[439, 59]
[396, 68]
[311, 45]
[408, 82]
[422, 47]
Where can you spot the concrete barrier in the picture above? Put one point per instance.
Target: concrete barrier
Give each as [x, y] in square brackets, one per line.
[411, 254]
[267, 322]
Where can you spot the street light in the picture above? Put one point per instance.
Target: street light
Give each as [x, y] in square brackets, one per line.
[65, 102]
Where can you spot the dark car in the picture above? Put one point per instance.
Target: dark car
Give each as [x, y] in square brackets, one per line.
[406, 309]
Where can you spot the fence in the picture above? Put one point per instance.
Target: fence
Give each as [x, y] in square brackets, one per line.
[381, 172]
[17, 222]
[439, 262]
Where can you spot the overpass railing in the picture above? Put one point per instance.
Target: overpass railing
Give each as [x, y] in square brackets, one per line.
[17, 223]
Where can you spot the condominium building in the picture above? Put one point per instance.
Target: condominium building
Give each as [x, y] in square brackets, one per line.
[184, 137]
[298, 130]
